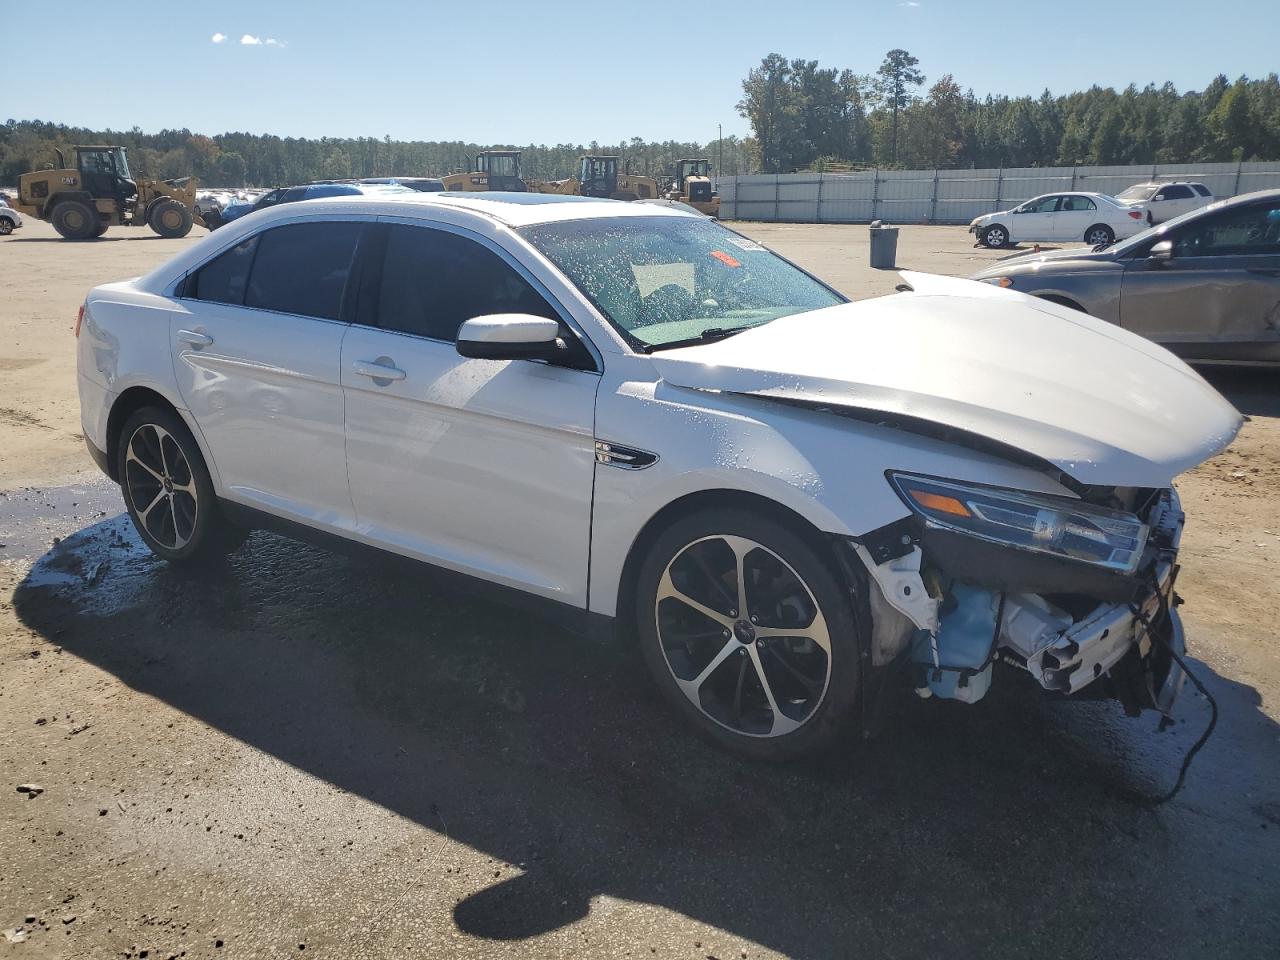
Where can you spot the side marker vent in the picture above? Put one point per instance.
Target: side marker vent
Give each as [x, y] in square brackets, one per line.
[626, 458]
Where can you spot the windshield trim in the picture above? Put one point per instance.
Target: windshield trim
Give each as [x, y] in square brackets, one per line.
[635, 344]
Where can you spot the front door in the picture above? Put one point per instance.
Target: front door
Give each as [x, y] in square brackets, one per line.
[1218, 296]
[256, 346]
[480, 466]
[1033, 220]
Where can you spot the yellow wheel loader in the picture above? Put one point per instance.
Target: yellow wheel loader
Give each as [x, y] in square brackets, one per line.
[600, 177]
[82, 201]
[491, 170]
[692, 185]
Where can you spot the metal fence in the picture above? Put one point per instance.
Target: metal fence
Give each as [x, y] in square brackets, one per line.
[955, 196]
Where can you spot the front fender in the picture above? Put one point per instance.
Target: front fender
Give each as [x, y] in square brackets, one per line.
[825, 467]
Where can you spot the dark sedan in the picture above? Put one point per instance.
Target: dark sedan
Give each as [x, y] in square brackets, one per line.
[1206, 284]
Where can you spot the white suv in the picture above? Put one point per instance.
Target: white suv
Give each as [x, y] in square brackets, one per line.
[634, 416]
[10, 219]
[1166, 200]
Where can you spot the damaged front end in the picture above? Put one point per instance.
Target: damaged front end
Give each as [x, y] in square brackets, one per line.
[1077, 593]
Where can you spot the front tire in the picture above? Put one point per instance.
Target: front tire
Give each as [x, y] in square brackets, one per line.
[75, 220]
[6, 226]
[168, 492]
[995, 236]
[750, 634]
[170, 219]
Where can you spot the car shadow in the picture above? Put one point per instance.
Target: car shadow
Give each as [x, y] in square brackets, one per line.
[981, 831]
[1254, 391]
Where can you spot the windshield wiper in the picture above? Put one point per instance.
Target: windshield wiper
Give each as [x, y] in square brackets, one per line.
[708, 335]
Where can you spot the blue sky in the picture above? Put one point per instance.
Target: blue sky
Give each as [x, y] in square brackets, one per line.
[493, 71]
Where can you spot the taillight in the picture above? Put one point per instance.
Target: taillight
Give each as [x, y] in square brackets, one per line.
[1135, 214]
[79, 320]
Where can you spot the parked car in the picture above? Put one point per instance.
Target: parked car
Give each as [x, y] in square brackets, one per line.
[310, 191]
[633, 417]
[10, 219]
[1092, 218]
[1164, 201]
[1205, 285]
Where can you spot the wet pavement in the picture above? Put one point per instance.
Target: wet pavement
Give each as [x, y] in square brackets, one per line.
[301, 748]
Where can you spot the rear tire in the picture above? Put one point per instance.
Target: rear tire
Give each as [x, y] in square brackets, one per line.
[168, 491]
[995, 236]
[170, 219]
[774, 681]
[100, 229]
[75, 220]
[1099, 234]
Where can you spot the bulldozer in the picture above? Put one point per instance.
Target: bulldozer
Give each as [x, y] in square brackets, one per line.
[82, 201]
[692, 185]
[491, 170]
[600, 177]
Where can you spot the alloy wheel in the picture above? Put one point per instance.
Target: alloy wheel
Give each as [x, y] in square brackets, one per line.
[1097, 237]
[161, 487]
[743, 636]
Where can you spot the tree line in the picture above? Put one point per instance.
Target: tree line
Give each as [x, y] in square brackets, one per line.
[805, 116]
[263, 160]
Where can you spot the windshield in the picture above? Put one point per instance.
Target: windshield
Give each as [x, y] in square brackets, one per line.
[665, 279]
[1152, 234]
[1137, 192]
[503, 165]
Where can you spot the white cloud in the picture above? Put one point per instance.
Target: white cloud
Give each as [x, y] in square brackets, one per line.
[273, 42]
[909, 3]
[218, 37]
[249, 40]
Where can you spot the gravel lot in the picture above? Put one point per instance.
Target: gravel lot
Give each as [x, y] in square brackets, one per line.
[303, 751]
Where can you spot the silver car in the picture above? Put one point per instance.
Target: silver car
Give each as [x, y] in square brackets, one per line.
[1205, 285]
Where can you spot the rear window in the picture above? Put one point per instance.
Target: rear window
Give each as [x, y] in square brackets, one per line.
[1201, 189]
[302, 268]
[1140, 191]
[1176, 191]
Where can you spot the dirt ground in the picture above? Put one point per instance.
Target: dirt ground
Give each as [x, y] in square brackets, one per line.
[301, 754]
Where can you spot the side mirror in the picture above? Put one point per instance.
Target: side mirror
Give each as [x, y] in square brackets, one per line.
[511, 336]
[1161, 253]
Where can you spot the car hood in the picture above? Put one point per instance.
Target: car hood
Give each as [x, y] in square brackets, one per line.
[1103, 405]
[1024, 262]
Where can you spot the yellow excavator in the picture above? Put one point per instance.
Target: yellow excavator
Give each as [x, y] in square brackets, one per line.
[600, 177]
[82, 201]
[692, 185]
[491, 170]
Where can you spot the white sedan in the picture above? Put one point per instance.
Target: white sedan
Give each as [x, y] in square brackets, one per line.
[634, 417]
[1091, 218]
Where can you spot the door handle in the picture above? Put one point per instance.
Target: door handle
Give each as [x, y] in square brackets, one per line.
[195, 338]
[377, 371]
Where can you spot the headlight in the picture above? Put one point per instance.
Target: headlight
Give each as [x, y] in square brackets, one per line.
[1028, 521]
[1005, 282]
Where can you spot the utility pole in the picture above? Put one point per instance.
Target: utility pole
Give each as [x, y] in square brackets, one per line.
[720, 160]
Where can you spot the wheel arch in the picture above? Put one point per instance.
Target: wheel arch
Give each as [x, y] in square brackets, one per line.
[1099, 225]
[690, 503]
[1061, 300]
[134, 398]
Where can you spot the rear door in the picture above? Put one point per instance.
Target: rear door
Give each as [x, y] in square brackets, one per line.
[256, 346]
[480, 466]
[1218, 297]
[1034, 219]
[1075, 215]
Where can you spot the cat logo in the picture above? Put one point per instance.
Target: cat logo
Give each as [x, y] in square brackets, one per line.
[69, 181]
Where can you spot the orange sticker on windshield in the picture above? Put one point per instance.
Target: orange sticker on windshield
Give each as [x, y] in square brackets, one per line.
[724, 258]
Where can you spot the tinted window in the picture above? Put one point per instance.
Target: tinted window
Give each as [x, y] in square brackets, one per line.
[1078, 203]
[1235, 232]
[433, 281]
[302, 268]
[1201, 189]
[224, 279]
[1175, 191]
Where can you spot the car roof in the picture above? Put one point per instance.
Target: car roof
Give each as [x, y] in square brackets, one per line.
[519, 209]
